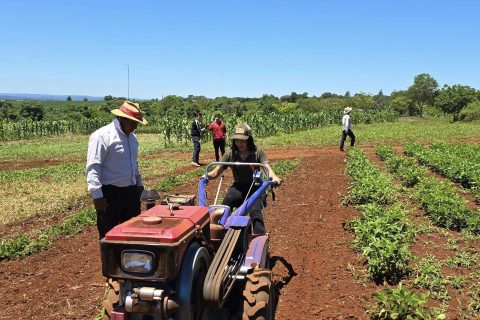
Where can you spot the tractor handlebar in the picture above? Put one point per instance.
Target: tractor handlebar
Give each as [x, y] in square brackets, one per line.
[252, 164]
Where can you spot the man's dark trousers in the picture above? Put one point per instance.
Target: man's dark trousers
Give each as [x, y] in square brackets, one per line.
[123, 203]
[344, 137]
[196, 149]
[218, 145]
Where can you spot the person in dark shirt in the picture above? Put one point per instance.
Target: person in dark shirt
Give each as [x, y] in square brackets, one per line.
[219, 133]
[244, 150]
[195, 132]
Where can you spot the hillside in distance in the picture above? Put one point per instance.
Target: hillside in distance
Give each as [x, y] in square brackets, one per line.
[45, 97]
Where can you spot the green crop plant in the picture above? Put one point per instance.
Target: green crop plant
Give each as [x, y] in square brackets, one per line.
[456, 282]
[463, 259]
[370, 185]
[382, 236]
[400, 304]
[427, 275]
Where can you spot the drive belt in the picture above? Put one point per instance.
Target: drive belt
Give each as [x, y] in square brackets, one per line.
[217, 284]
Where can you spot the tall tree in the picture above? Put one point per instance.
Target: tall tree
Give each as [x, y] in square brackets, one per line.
[33, 110]
[453, 99]
[423, 91]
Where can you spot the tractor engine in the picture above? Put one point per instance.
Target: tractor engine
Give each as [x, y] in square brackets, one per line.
[145, 256]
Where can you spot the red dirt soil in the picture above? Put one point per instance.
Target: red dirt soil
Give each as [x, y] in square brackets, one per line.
[310, 251]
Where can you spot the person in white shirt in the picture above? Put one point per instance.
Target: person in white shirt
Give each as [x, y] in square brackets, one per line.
[113, 178]
[347, 128]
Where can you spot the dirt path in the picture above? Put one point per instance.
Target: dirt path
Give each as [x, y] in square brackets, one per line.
[307, 233]
[310, 252]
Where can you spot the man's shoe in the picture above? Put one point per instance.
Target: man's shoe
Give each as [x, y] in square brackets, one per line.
[195, 164]
[341, 149]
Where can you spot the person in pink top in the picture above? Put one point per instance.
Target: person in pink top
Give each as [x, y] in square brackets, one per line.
[219, 132]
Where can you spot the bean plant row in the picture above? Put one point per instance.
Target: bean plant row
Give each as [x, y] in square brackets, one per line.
[456, 162]
[438, 198]
[382, 232]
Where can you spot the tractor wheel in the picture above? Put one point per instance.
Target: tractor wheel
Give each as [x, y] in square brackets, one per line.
[111, 300]
[258, 296]
[190, 281]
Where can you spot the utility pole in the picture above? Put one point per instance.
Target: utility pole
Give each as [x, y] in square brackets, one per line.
[128, 82]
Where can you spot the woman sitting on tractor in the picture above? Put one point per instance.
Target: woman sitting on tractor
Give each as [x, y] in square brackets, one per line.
[244, 150]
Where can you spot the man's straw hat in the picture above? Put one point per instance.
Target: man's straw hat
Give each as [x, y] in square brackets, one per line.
[130, 110]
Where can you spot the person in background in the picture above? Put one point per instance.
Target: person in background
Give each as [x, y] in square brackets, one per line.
[347, 128]
[196, 132]
[219, 133]
[113, 178]
[244, 150]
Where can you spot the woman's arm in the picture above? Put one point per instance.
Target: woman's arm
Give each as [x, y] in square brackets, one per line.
[272, 175]
[215, 173]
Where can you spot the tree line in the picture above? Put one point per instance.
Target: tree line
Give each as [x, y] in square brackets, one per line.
[423, 98]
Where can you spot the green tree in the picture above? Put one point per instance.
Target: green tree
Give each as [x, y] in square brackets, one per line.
[172, 105]
[361, 101]
[108, 98]
[471, 112]
[293, 97]
[7, 111]
[423, 91]
[33, 110]
[453, 99]
[267, 104]
[402, 103]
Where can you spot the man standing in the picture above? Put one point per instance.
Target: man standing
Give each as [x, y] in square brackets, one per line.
[347, 128]
[219, 133]
[113, 178]
[195, 132]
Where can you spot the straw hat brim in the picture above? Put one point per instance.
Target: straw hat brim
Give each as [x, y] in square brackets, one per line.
[119, 113]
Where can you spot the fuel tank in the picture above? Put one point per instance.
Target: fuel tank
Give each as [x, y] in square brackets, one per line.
[162, 233]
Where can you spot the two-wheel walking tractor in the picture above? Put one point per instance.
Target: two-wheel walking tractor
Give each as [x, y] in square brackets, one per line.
[181, 261]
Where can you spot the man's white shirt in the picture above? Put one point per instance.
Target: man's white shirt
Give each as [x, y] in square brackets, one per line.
[346, 122]
[112, 159]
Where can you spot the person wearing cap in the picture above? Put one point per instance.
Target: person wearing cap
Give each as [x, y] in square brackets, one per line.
[113, 178]
[196, 132]
[347, 128]
[245, 150]
[219, 133]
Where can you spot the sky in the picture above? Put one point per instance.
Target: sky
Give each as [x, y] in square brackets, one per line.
[235, 48]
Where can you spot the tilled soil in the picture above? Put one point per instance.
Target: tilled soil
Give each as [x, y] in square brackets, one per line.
[311, 255]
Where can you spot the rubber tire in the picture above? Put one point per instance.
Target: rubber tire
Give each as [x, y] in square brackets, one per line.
[258, 296]
[190, 281]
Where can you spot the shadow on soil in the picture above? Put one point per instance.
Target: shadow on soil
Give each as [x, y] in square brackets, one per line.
[281, 283]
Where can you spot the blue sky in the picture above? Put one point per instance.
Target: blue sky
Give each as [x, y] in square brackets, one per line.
[235, 48]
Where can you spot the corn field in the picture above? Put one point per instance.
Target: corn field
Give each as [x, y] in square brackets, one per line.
[177, 129]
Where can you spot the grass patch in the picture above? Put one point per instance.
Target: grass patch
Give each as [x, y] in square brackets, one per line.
[173, 181]
[22, 245]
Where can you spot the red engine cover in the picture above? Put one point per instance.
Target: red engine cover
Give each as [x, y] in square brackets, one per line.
[159, 225]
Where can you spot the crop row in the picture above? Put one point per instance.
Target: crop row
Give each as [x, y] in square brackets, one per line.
[456, 162]
[438, 198]
[382, 232]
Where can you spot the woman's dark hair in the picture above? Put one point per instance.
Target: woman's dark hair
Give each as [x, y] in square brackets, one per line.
[251, 146]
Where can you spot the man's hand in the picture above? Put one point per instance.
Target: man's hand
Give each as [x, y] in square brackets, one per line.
[100, 204]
